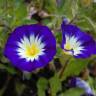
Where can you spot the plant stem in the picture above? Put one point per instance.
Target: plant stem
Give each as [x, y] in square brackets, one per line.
[64, 67]
[74, 18]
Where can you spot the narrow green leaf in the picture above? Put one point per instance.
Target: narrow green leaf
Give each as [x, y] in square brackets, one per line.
[42, 86]
[55, 85]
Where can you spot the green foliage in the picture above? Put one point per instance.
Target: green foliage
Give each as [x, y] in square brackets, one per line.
[73, 67]
[73, 92]
[26, 21]
[55, 85]
[50, 6]
[42, 85]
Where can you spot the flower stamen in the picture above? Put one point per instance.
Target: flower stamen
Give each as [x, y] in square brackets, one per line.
[33, 50]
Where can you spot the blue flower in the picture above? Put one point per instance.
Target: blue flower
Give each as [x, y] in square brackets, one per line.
[83, 85]
[30, 47]
[77, 43]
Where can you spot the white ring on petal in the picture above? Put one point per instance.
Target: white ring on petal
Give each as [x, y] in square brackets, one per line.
[73, 43]
[26, 44]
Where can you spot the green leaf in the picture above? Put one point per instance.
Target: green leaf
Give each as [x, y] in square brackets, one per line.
[84, 25]
[50, 6]
[58, 36]
[64, 9]
[19, 12]
[20, 88]
[42, 86]
[55, 85]
[58, 53]
[74, 67]
[92, 24]
[10, 70]
[73, 92]
[26, 21]
[47, 22]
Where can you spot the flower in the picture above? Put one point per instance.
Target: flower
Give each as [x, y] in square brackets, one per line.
[84, 85]
[76, 42]
[30, 47]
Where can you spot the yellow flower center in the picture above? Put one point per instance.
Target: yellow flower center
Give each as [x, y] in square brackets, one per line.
[68, 46]
[33, 50]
